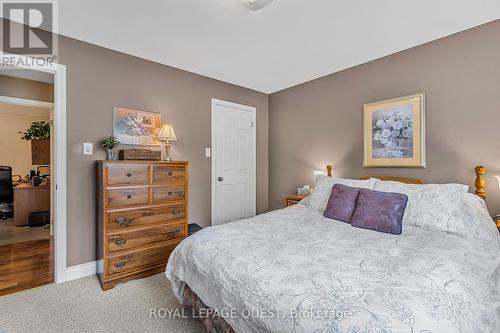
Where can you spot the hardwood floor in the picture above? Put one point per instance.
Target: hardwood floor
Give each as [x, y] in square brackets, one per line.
[26, 257]
[26, 265]
[10, 234]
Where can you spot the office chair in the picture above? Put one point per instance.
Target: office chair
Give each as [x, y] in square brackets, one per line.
[6, 191]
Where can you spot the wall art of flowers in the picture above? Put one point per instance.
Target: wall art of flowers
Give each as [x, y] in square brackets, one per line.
[393, 133]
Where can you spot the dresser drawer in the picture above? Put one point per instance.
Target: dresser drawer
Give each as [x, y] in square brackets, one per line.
[130, 240]
[140, 217]
[140, 260]
[166, 193]
[127, 174]
[119, 197]
[168, 173]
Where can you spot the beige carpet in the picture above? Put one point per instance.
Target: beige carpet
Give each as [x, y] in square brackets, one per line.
[81, 306]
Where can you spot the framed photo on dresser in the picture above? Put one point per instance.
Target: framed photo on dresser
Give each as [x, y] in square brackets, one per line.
[394, 132]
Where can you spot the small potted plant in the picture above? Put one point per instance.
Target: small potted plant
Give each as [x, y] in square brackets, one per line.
[39, 135]
[110, 143]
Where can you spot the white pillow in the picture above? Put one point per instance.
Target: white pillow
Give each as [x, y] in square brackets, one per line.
[474, 220]
[430, 206]
[323, 188]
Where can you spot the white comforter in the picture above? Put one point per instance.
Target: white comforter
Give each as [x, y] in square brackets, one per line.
[293, 270]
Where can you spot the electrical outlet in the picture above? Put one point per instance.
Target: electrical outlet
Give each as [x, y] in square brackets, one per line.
[208, 152]
[88, 148]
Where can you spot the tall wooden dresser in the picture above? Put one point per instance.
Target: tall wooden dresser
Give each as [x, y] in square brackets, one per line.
[142, 216]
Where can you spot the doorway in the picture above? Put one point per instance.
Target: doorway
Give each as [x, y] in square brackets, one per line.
[56, 229]
[233, 161]
[26, 200]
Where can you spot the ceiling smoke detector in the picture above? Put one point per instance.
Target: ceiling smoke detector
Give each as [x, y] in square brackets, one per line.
[258, 4]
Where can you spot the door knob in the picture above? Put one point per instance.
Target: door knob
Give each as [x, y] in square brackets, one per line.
[220, 179]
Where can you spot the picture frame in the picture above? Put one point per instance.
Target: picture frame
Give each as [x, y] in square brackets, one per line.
[394, 132]
[43, 170]
[136, 127]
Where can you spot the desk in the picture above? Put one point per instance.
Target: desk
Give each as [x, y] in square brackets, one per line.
[29, 199]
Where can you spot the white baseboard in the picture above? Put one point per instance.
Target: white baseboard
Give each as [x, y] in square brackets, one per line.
[83, 270]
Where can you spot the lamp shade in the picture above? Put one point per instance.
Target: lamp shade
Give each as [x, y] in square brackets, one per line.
[167, 133]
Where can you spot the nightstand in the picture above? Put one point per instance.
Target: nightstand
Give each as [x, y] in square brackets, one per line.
[293, 199]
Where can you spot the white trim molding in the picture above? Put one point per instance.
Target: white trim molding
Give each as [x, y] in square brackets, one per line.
[59, 72]
[83, 270]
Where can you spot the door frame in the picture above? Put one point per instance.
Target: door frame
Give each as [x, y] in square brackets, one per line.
[59, 172]
[253, 182]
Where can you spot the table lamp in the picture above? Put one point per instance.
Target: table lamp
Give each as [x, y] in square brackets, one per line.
[166, 135]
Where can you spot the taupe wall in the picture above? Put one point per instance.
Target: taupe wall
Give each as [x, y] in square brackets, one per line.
[313, 124]
[320, 122]
[28, 89]
[99, 79]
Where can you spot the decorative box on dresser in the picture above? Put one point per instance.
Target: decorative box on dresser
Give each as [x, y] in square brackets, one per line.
[142, 216]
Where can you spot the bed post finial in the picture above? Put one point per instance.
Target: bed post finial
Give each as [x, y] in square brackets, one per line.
[329, 170]
[480, 182]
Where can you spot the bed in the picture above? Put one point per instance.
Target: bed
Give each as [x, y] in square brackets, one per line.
[293, 270]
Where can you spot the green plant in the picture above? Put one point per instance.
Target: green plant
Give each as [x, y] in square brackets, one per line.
[109, 142]
[37, 130]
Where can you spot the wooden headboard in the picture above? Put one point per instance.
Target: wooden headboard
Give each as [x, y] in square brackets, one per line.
[480, 182]
[397, 179]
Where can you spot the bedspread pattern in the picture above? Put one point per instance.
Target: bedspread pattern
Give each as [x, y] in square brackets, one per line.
[293, 270]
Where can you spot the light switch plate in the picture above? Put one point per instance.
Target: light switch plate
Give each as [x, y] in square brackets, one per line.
[88, 148]
[208, 152]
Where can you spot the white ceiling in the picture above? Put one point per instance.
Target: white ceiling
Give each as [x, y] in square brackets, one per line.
[284, 44]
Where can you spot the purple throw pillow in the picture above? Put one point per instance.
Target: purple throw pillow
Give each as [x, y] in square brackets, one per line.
[380, 211]
[342, 203]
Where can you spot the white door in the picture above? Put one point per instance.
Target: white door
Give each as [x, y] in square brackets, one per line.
[233, 161]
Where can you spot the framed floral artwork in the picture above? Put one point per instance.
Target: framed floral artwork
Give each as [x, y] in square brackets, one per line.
[394, 132]
[134, 127]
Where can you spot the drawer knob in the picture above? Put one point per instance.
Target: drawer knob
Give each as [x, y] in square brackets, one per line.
[170, 173]
[174, 232]
[176, 212]
[129, 175]
[129, 196]
[170, 193]
[121, 220]
[120, 264]
[120, 242]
